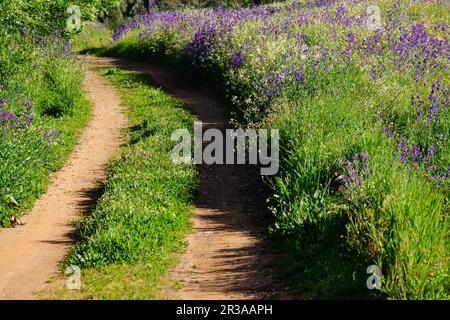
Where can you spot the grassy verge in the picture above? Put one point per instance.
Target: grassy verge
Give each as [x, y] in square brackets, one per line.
[125, 246]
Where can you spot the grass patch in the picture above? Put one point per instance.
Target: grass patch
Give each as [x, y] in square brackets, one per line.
[125, 246]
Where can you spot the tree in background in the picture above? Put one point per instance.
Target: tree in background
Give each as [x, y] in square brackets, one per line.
[134, 7]
[49, 16]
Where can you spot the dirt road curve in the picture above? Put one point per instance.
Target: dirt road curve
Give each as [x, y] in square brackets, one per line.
[29, 254]
[225, 258]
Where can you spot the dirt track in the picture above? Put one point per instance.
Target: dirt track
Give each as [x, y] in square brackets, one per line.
[225, 258]
[30, 253]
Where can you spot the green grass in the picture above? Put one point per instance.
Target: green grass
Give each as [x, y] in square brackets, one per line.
[139, 281]
[126, 245]
[93, 37]
[332, 239]
[34, 173]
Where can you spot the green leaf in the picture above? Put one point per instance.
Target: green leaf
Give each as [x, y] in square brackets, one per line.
[12, 199]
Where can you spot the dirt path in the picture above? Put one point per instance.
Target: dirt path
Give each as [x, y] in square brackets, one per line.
[30, 254]
[225, 258]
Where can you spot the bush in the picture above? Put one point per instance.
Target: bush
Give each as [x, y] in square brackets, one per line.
[45, 17]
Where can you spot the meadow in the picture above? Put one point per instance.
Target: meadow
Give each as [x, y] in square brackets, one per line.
[363, 111]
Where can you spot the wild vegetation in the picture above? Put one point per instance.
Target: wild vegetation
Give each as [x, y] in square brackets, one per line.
[42, 107]
[363, 109]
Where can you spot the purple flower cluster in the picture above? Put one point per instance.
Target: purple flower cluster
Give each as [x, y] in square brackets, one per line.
[124, 29]
[202, 42]
[431, 127]
[16, 118]
[53, 45]
[416, 48]
[52, 137]
[357, 170]
[440, 174]
[414, 154]
[237, 59]
[422, 158]
[439, 103]
[273, 82]
[10, 120]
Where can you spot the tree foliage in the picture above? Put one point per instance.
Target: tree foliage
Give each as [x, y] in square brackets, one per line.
[49, 16]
